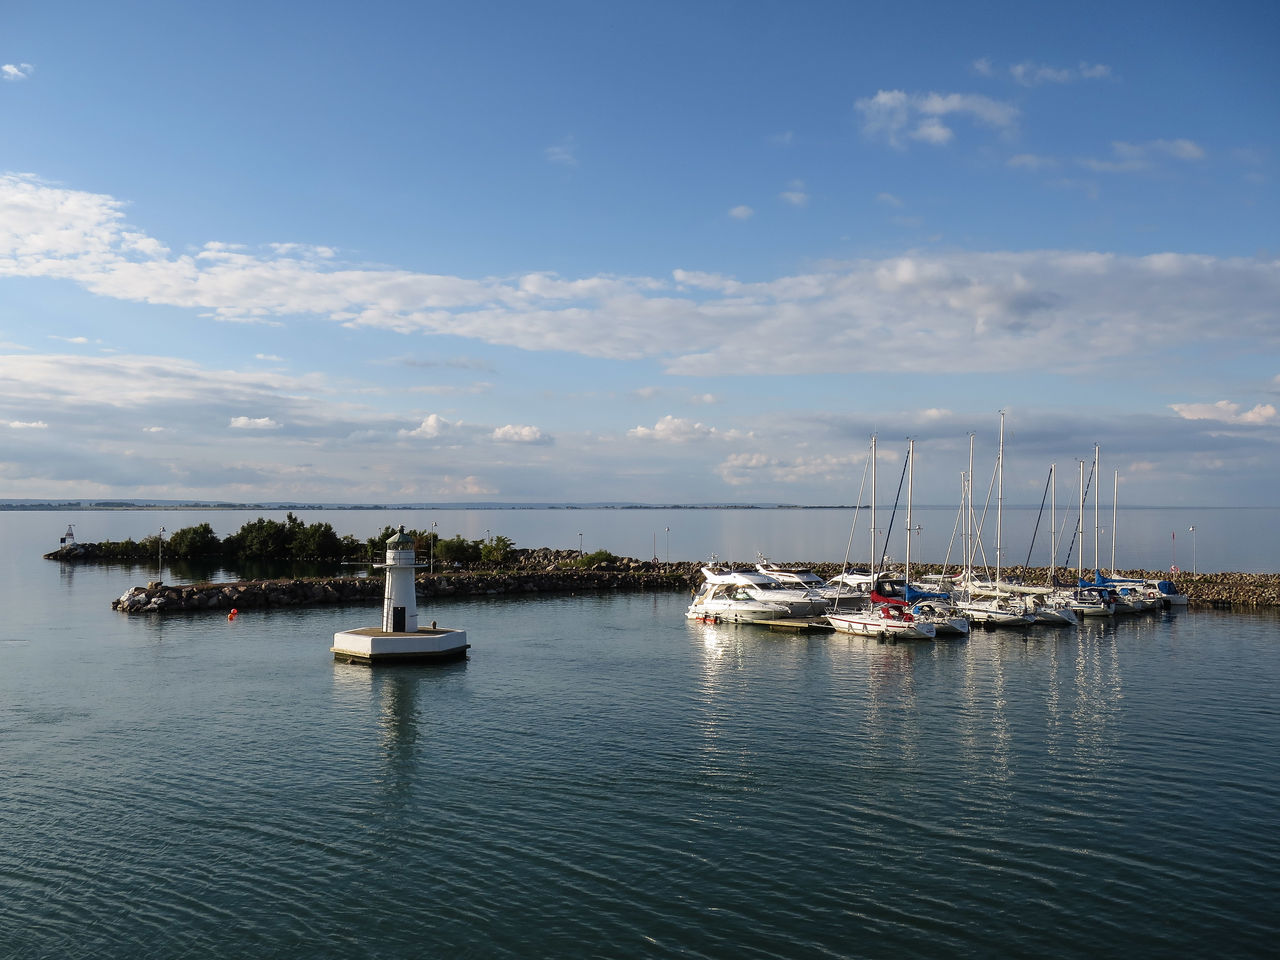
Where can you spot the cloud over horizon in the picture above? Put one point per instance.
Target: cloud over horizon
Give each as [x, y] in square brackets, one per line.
[1042, 309]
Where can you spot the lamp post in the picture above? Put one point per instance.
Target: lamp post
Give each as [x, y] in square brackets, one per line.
[160, 551]
[1192, 530]
[668, 546]
[432, 567]
[580, 544]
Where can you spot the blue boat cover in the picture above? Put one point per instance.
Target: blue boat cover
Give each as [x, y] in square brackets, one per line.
[912, 594]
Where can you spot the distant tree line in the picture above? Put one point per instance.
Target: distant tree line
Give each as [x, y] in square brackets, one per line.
[291, 540]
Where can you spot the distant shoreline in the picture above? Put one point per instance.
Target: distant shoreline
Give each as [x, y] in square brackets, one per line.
[106, 506]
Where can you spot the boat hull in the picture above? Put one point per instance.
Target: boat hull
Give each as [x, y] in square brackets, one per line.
[875, 626]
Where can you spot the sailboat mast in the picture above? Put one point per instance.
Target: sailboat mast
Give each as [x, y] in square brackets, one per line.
[1115, 491]
[1097, 464]
[1053, 522]
[999, 498]
[968, 516]
[874, 564]
[911, 470]
[1080, 528]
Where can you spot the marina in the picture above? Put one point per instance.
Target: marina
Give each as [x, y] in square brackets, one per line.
[603, 775]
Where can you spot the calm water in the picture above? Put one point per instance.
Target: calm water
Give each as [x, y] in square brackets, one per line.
[606, 779]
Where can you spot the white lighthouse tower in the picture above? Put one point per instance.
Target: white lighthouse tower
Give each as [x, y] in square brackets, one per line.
[400, 639]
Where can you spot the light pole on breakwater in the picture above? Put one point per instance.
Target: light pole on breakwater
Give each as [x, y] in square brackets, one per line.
[1192, 531]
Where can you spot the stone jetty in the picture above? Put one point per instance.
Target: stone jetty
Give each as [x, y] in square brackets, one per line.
[157, 597]
[547, 571]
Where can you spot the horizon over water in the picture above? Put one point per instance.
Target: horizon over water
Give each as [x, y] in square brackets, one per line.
[606, 778]
[1226, 539]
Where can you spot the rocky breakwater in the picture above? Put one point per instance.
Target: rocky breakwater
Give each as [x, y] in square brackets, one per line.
[1226, 590]
[157, 597]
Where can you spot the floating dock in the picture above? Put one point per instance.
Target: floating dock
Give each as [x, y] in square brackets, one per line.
[798, 626]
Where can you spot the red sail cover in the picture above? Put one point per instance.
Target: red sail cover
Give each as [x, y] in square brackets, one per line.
[876, 598]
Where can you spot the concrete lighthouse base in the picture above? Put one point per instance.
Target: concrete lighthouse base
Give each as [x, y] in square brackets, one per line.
[371, 645]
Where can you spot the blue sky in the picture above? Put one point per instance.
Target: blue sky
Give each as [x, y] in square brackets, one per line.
[651, 252]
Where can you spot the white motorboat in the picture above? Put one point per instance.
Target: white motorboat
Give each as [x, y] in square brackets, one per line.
[1166, 593]
[803, 582]
[719, 599]
[746, 587]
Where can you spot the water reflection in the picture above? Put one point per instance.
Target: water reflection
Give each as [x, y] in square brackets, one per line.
[389, 696]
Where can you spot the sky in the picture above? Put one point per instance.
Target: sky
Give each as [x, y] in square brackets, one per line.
[651, 252]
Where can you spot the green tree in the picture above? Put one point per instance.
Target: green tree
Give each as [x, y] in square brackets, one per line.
[194, 543]
[458, 550]
[262, 539]
[496, 550]
[316, 541]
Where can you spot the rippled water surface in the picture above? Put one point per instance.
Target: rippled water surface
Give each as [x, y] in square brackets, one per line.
[603, 778]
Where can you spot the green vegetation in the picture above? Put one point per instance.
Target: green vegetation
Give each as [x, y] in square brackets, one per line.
[194, 543]
[265, 543]
[591, 559]
[264, 539]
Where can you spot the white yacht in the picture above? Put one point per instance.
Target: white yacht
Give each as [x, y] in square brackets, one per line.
[804, 583]
[719, 599]
[743, 595]
[1166, 593]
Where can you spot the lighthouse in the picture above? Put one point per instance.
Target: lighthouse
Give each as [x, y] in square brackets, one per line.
[400, 639]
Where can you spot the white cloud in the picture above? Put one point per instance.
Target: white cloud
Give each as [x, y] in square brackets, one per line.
[1226, 412]
[741, 212]
[253, 423]
[932, 130]
[432, 426]
[27, 424]
[705, 281]
[795, 194]
[895, 116]
[1133, 157]
[16, 71]
[1040, 309]
[674, 430]
[982, 67]
[1182, 149]
[740, 469]
[993, 113]
[564, 153]
[513, 433]
[889, 199]
[1030, 74]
